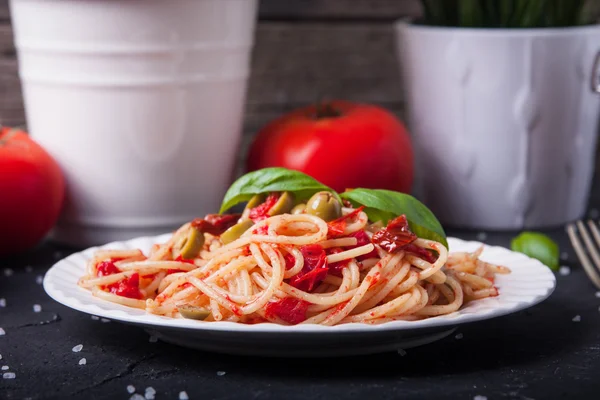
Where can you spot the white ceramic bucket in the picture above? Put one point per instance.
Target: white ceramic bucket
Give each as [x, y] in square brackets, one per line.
[140, 101]
[504, 122]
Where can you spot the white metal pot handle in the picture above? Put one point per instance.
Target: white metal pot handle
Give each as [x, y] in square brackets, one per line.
[596, 74]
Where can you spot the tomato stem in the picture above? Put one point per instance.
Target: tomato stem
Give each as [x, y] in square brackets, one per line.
[326, 110]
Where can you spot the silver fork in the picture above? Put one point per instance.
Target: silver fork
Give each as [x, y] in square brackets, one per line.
[592, 268]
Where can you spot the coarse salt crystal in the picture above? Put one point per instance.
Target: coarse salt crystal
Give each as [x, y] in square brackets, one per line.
[37, 308]
[83, 361]
[577, 318]
[39, 279]
[28, 269]
[2, 302]
[2, 332]
[105, 320]
[0, 356]
[481, 236]
[95, 317]
[130, 388]
[479, 397]
[221, 373]
[5, 368]
[9, 375]
[137, 396]
[564, 255]
[564, 270]
[153, 339]
[77, 348]
[183, 395]
[149, 393]
[459, 336]
[598, 294]
[402, 352]
[8, 272]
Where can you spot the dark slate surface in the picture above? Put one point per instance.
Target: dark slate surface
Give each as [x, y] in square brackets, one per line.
[540, 353]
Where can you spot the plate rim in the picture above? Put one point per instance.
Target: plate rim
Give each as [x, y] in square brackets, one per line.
[116, 312]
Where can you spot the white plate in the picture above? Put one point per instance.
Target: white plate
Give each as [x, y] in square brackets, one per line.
[529, 283]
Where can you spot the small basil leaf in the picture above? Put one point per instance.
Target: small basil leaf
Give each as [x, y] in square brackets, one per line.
[272, 180]
[539, 246]
[385, 204]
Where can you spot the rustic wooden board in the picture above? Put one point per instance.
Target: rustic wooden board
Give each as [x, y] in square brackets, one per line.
[385, 10]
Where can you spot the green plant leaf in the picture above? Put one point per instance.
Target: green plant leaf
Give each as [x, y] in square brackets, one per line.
[539, 246]
[384, 205]
[272, 180]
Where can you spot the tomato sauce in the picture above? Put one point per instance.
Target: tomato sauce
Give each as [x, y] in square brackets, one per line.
[395, 236]
[289, 309]
[337, 227]
[128, 287]
[314, 270]
[261, 211]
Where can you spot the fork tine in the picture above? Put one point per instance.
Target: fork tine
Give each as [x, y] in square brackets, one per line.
[585, 261]
[595, 231]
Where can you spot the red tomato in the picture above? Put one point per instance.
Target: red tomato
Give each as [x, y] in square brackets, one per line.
[32, 191]
[341, 144]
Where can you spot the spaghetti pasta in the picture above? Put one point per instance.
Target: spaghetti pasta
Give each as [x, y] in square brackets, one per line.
[291, 269]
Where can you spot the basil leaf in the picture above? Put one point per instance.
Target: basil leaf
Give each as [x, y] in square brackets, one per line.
[385, 204]
[272, 180]
[539, 246]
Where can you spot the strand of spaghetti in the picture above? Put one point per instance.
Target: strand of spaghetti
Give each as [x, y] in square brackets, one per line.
[197, 272]
[421, 303]
[353, 253]
[344, 309]
[126, 301]
[380, 311]
[153, 286]
[141, 265]
[317, 299]
[183, 294]
[213, 294]
[341, 242]
[246, 283]
[298, 262]
[497, 269]
[232, 266]
[276, 281]
[360, 221]
[167, 280]
[344, 287]
[139, 257]
[476, 281]
[448, 308]
[398, 274]
[166, 248]
[439, 263]
[393, 264]
[354, 275]
[390, 319]
[110, 279]
[101, 255]
[262, 283]
[214, 310]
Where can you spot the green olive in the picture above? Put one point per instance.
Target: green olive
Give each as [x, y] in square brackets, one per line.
[236, 231]
[193, 312]
[299, 209]
[256, 200]
[324, 205]
[190, 244]
[284, 204]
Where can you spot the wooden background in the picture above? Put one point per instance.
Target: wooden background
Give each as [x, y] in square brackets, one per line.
[304, 50]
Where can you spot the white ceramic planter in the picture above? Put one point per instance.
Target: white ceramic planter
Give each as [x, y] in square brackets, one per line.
[504, 122]
[140, 101]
